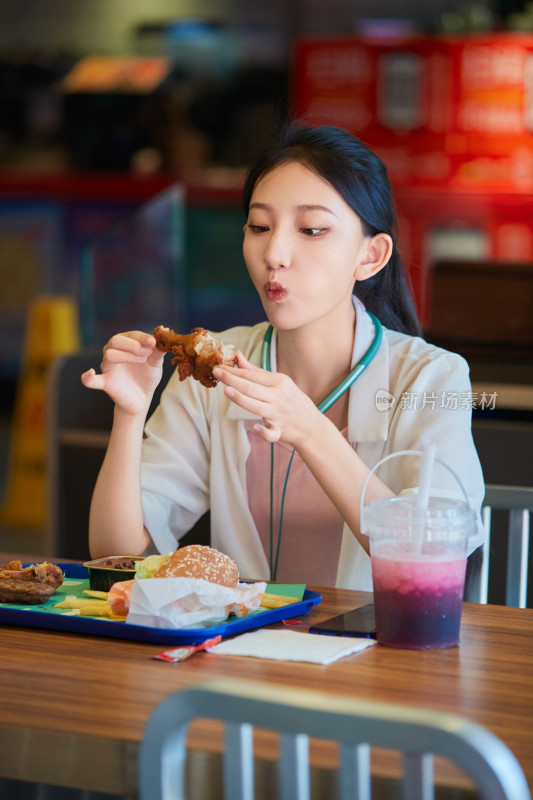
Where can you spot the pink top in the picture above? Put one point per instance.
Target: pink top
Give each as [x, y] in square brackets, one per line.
[312, 526]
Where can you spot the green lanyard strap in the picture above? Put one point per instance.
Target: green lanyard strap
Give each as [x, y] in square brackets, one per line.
[323, 406]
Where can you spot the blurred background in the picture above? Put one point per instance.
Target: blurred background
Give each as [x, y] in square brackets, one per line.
[125, 128]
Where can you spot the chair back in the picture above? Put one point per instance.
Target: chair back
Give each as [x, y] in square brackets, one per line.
[518, 502]
[296, 715]
[78, 427]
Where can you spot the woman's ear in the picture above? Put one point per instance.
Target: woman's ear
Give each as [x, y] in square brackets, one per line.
[376, 253]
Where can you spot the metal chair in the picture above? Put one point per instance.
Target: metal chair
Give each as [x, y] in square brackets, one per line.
[298, 714]
[518, 501]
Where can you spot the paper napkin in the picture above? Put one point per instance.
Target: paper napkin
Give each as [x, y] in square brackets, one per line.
[284, 645]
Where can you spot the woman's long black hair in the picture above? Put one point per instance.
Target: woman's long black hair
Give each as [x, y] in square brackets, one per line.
[360, 177]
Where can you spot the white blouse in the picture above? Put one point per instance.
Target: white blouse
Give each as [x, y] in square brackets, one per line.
[196, 445]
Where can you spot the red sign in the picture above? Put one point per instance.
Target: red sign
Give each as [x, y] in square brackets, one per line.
[454, 112]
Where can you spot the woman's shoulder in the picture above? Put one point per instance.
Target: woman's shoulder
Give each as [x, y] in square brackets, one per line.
[414, 350]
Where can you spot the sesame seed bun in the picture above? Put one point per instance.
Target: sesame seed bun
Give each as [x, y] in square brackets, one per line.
[199, 561]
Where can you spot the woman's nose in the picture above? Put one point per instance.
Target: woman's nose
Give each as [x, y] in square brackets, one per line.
[278, 251]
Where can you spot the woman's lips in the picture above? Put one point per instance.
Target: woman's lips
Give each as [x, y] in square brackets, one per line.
[275, 291]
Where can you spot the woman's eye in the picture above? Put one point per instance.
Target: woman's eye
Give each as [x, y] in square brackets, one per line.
[312, 231]
[257, 228]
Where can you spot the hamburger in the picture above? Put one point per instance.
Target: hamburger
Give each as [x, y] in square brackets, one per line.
[193, 561]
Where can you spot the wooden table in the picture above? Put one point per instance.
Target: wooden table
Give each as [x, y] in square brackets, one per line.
[73, 707]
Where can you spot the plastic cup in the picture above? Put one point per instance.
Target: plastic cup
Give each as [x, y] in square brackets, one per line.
[418, 561]
[418, 574]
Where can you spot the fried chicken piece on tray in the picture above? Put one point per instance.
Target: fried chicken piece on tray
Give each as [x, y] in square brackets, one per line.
[29, 585]
[195, 353]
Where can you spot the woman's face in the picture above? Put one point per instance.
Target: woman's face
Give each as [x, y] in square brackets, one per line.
[302, 245]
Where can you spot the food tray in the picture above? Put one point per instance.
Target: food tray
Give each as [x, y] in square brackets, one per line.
[43, 616]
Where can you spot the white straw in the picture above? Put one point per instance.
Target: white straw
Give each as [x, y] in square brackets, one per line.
[426, 475]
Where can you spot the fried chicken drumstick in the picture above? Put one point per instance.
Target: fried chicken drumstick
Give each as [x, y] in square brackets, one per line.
[195, 353]
[29, 585]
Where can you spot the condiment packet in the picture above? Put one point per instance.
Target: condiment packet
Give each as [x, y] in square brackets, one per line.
[182, 653]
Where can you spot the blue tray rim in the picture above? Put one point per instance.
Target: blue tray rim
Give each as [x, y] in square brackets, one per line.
[143, 633]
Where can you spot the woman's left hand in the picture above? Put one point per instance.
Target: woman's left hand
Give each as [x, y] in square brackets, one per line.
[287, 412]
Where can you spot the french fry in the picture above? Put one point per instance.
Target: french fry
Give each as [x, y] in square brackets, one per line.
[94, 593]
[99, 610]
[78, 602]
[90, 607]
[277, 600]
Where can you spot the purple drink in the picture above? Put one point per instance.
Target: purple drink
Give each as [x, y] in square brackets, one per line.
[418, 603]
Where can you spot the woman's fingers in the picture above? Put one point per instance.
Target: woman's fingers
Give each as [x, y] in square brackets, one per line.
[131, 363]
[143, 338]
[124, 357]
[243, 362]
[257, 390]
[132, 341]
[132, 347]
[256, 406]
[270, 395]
[246, 379]
[269, 432]
[156, 358]
[92, 381]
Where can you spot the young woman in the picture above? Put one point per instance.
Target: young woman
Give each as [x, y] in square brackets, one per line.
[336, 379]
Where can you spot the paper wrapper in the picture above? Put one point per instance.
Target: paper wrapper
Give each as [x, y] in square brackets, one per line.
[189, 602]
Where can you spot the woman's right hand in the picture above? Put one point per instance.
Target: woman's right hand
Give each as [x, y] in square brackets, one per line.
[131, 369]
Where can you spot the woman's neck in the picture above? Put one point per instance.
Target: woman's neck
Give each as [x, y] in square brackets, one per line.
[318, 356]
